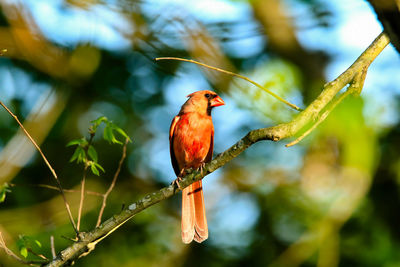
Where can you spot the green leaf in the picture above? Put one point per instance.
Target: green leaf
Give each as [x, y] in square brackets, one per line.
[97, 122]
[108, 134]
[99, 166]
[82, 142]
[2, 196]
[92, 153]
[94, 169]
[79, 155]
[111, 127]
[115, 141]
[122, 132]
[3, 192]
[94, 166]
[23, 251]
[38, 243]
[75, 155]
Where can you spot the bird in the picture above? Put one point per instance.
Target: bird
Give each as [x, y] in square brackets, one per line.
[191, 137]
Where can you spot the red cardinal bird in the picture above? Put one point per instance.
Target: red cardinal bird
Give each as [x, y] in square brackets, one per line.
[191, 139]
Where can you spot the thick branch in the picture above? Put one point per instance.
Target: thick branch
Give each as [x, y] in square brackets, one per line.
[308, 116]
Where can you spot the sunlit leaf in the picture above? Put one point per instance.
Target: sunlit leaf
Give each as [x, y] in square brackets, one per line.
[81, 141]
[23, 251]
[3, 192]
[122, 132]
[79, 155]
[38, 243]
[2, 196]
[92, 153]
[94, 169]
[98, 121]
[94, 166]
[108, 134]
[99, 166]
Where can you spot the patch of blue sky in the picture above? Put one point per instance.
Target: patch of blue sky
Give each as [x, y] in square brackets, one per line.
[206, 10]
[235, 214]
[67, 25]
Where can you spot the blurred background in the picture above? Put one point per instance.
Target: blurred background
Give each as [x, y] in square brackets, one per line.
[331, 200]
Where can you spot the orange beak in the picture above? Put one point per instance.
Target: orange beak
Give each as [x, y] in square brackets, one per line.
[216, 102]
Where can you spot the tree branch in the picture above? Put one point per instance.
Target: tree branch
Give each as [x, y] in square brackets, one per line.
[306, 118]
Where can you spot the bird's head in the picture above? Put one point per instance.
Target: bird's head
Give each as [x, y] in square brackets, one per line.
[202, 102]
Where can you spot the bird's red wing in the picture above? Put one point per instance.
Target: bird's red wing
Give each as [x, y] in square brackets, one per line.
[171, 145]
[210, 150]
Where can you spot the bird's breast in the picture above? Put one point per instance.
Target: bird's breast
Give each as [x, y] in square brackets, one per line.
[192, 141]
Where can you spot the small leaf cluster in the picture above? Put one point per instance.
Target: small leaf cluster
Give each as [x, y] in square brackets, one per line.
[110, 130]
[3, 191]
[86, 153]
[26, 244]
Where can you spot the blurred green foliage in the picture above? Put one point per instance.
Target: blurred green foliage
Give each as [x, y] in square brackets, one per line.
[332, 200]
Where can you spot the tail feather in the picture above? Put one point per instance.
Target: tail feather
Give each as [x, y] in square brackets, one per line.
[194, 221]
[187, 222]
[200, 222]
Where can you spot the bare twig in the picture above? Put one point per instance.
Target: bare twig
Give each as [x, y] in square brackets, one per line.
[38, 255]
[56, 188]
[233, 74]
[48, 165]
[84, 180]
[105, 196]
[53, 249]
[82, 196]
[13, 255]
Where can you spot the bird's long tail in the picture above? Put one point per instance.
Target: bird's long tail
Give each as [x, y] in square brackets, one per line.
[194, 221]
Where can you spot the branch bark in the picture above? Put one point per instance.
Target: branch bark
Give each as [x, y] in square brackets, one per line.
[353, 76]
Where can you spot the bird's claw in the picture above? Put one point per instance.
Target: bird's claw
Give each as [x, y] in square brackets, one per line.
[179, 179]
[201, 167]
[176, 182]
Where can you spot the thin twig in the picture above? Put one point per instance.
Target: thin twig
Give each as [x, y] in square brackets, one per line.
[233, 74]
[38, 255]
[74, 240]
[84, 179]
[56, 188]
[112, 183]
[48, 165]
[53, 249]
[320, 118]
[13, 255]
[82, 196]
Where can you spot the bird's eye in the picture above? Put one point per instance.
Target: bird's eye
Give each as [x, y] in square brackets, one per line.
[207, 95]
